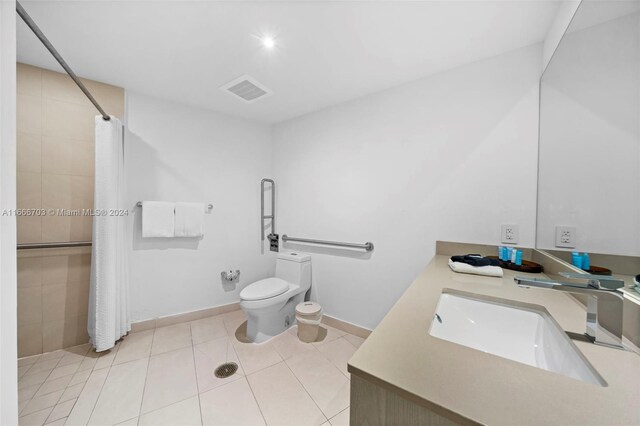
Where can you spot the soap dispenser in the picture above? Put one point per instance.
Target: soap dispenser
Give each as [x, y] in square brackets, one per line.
[586, 262]
[576, 259]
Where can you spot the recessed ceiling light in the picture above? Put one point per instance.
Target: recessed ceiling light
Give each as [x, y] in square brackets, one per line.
[268, 42]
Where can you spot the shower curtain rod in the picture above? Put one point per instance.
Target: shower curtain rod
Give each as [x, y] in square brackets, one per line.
[31, 24]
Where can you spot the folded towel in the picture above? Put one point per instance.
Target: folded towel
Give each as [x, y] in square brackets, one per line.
[157, 219]
[475, 260]
[463, 268]
[189, 220]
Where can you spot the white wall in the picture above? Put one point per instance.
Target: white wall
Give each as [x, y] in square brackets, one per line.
[590, 139]
[177, 153]
[8, 284]
[450, 157]
[565, 13]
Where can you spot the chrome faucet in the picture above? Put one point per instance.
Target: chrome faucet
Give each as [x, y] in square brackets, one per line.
[604, 303]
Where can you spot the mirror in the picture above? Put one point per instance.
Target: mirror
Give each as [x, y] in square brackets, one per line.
[589, 152]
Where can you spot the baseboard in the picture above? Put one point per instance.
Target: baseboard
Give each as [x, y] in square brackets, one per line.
[218, 310]
[346, 326]
[184, 317]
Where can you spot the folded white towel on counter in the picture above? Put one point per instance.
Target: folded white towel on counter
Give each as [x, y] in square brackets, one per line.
[463, 268]
[189, 220]
[157, 219]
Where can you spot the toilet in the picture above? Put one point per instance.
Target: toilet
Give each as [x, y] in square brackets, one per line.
[270, 303]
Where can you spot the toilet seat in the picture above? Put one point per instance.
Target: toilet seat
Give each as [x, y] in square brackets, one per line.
[264, 289]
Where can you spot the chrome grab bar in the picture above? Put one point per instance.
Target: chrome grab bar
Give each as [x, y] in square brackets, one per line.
[26, 246]
[368, 246]
[272, 216]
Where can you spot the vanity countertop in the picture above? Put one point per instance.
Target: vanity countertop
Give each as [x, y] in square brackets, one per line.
[470, 386]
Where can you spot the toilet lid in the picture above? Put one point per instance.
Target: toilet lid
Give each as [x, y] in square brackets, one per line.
[264, 289]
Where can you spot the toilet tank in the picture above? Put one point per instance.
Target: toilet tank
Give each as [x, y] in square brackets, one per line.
[295, 268]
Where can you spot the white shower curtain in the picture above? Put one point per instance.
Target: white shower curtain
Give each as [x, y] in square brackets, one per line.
[109, 317]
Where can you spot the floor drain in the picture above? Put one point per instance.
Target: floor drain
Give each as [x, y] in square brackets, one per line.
[225, 370]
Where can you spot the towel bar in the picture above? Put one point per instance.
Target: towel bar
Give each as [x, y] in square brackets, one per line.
[209, 206]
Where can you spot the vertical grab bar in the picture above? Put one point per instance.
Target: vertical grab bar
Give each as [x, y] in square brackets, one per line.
[272, 216]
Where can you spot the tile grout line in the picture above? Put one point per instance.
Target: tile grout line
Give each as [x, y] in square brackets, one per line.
[325, 357]
[193, 345]
[237, 357]
[26, 372]
[40, 386]
[83, 386]
[157, 409]
[348, 407]
[153, 338]
[256, 399]
[41, 286]
[282, 359]
[58, 402]
[99, 393]
[326, 419]
[63, 390]
[230, 345]
[263, 368]
[357, 347]
[92, 369]
[332, 363]
[54, 407]
[124, 421]
[140, 414]
[246, 376]
[41, 136]
[39, 411]
[101, 387]
[195, 370]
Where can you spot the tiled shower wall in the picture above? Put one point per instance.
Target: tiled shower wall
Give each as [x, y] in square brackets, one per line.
[55, 164]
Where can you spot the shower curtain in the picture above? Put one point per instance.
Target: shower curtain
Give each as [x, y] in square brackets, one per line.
[109, 317]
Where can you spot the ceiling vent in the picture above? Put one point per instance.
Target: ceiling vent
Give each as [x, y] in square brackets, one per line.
[246, 88]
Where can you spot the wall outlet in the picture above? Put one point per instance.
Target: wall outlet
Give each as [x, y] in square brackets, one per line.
[566, 236]
[510, 234]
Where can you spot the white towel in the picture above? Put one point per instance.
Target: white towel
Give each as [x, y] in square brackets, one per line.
[463, 268]
[157, 219]
[189, 220]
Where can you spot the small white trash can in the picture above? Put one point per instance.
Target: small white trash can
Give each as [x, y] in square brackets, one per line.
[308, 316]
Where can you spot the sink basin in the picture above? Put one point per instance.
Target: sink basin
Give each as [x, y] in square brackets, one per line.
[514, 330]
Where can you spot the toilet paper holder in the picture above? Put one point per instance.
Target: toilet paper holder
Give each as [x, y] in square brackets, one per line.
[230, 275]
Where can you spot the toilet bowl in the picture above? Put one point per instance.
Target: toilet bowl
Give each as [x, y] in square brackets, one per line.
[270, 303]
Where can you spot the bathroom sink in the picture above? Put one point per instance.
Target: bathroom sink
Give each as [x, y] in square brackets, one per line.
[514, 330]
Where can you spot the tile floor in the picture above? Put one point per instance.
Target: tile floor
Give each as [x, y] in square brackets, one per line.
[165, 377]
